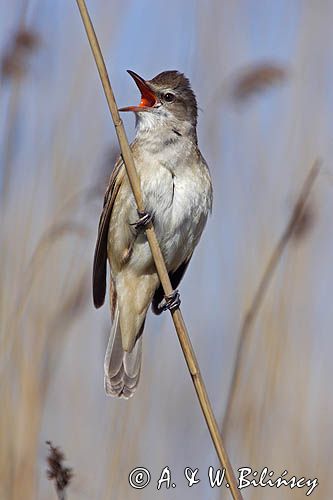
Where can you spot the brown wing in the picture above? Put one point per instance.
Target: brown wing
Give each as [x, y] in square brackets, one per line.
[100, 257]
[175, 278]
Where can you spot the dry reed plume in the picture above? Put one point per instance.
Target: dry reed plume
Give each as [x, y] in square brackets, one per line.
[60, 475]
[256, 79]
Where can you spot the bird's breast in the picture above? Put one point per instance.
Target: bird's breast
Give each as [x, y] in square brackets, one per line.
[177, 196]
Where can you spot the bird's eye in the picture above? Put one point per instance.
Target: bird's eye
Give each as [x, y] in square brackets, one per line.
[168, 97]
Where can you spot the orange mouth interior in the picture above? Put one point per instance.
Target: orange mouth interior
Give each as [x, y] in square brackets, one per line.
[148, 97]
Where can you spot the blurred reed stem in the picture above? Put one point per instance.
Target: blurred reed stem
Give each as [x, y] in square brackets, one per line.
[250, 316]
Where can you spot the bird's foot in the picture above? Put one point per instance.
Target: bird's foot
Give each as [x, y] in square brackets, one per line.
[143, 221]
[170, 302]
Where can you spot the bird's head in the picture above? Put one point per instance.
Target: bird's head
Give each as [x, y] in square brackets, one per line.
[167, 98]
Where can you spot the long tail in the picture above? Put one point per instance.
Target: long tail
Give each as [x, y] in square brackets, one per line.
[121, 368]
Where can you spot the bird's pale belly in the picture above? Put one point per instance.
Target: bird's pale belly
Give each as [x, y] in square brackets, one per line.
[180, 212]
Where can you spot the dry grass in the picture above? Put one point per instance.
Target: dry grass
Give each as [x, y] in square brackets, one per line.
[60, 475]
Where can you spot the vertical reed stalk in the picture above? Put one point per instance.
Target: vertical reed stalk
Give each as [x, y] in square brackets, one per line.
[260, 293]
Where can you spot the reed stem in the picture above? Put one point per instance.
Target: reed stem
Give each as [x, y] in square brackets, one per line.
[177, 317]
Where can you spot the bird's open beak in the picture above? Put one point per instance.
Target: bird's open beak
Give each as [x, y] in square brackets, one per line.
[148, 98]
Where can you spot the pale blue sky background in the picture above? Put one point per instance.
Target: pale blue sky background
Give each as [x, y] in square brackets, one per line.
[259, 154]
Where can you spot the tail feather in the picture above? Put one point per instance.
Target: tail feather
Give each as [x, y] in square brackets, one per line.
[121, 368]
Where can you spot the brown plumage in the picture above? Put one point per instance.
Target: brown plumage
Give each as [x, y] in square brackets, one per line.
[176, 189]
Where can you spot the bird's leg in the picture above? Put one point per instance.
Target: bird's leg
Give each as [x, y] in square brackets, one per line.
[170, 302]
[143, 221]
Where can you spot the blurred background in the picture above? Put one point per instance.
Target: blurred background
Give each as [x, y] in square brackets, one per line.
[263, 75]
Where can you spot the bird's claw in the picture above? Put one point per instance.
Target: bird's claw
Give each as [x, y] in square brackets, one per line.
[143, 221]
[171, 302]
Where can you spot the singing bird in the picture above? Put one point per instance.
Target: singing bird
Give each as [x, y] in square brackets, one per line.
[177, 194]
